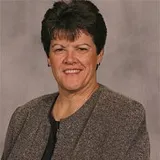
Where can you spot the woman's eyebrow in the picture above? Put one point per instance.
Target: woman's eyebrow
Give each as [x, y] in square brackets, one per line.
[76, 45]
[56, 44]
[83, 44]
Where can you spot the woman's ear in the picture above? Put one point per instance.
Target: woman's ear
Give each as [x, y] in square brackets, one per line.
[49, 62]
[100, 56]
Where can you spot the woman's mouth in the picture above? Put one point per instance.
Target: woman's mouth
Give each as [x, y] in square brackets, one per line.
[72, 71]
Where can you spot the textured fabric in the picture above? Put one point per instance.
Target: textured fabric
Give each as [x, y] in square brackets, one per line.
[52, 137]
[109, 126]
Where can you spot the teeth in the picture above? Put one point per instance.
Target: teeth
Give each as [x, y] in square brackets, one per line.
[72, 71]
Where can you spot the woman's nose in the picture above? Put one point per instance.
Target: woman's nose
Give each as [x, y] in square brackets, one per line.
[70, 57]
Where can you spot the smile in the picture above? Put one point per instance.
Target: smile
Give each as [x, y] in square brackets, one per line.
[71, 71]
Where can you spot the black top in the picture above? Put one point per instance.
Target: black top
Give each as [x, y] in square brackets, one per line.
[52, 138]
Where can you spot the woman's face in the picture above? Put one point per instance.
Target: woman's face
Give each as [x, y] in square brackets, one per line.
[74, 63]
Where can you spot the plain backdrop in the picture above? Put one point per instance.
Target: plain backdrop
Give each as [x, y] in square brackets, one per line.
[130, 65]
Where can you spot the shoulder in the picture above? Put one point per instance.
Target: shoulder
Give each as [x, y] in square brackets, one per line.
[38, 103]
[37, 107]
[120, 106]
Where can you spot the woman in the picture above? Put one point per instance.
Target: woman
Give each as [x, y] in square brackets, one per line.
[84, 120]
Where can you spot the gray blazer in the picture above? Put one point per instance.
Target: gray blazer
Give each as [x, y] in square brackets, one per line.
[109, 126]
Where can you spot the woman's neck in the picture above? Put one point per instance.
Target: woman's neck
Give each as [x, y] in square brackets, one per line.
[68, 103]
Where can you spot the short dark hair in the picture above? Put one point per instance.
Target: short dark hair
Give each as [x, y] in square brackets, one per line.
[67, 19]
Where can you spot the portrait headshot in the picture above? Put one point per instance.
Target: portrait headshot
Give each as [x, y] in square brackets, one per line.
[80, 80]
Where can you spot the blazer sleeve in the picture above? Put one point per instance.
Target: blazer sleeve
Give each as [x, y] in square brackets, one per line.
[140, 146]
[14, 128]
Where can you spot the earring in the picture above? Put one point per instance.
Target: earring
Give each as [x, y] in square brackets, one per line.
[49, 65]
[97, 66]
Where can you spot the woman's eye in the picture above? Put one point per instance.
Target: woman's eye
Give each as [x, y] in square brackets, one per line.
[58, 50]
[83, 49]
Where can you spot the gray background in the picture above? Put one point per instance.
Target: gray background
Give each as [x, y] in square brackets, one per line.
[130, 65]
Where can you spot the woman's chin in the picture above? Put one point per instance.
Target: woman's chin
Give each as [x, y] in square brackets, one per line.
[72, 87]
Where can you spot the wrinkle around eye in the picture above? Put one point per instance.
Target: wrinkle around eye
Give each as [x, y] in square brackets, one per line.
[59, 50]
[82, 50]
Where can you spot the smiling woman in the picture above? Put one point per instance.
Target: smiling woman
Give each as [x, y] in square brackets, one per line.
[74, 64]
[84, 119]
